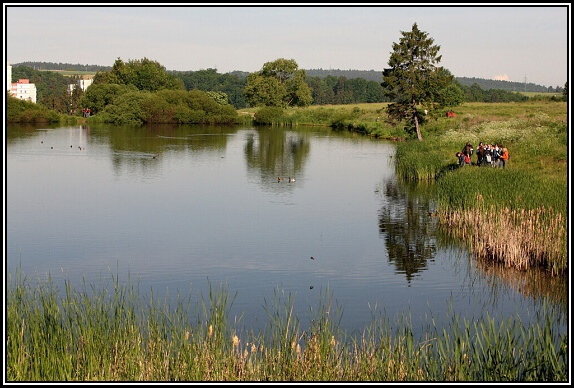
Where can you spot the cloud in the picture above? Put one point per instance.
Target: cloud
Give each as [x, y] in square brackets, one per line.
[502, 77]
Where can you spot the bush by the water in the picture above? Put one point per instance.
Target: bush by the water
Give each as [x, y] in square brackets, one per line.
[269, 115]
[26, 112]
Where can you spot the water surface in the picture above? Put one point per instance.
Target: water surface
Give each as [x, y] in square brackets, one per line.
[180, 208]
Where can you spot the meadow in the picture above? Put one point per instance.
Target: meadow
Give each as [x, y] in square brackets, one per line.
[517, 215]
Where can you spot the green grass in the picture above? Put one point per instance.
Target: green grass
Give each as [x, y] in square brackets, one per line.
[68, 73]
[109, 333]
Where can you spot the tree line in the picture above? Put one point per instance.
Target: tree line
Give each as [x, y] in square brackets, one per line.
[350, 74]
[52, 87]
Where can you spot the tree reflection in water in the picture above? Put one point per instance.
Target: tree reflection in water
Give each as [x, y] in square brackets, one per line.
[412, 236]
[408, 227]
[272, 153]
[534, 283]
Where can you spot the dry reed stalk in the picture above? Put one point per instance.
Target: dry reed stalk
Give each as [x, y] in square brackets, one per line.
[517, 238]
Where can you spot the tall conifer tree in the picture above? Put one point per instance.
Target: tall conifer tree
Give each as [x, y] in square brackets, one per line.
[413, 82]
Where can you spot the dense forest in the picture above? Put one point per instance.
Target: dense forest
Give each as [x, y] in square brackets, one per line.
[328, 86]
[368, 75]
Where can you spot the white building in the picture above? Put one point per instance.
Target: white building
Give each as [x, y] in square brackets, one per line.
[82, 83]
[23, 90]
[9, 77]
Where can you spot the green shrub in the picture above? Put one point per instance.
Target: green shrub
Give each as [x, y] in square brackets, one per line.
[165, 107]
[20, 111]
[126, 109]
[269, 115]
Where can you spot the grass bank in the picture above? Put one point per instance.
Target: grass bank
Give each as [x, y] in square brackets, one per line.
[368, 119]
[517, 215]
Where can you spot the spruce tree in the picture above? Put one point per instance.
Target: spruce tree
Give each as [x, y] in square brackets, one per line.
[414, 81]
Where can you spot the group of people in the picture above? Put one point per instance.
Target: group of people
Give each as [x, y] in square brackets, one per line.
[493, 155]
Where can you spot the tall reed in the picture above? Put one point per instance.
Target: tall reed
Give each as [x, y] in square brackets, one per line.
[113, 334]
[512, 237]
[419, 161]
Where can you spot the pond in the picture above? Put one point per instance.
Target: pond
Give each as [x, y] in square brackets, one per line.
[178, 210]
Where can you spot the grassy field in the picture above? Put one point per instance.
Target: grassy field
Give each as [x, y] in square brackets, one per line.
[69, 73]
[522, 208]
[542, 94]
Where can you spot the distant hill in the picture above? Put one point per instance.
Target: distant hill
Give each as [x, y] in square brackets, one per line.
[485, 84]
[369, 75]
[62, 66]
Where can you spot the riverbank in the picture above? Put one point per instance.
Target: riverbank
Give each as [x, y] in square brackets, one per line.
[514, 216]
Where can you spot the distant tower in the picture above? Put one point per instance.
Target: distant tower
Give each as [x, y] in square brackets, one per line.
[525, 82]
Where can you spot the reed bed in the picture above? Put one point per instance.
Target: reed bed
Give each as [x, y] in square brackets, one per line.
[507, 216]
[112, 334]
[521, 239]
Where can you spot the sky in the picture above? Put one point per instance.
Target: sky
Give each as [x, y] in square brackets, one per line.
[522, 43]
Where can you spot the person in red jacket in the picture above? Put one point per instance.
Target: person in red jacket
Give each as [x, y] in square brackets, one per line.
[503, 157]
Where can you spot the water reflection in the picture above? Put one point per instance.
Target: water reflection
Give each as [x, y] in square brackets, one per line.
[408, 228]
[132, 146]
[157, 138]
[273, 153]
[534, 284]
[77, 136]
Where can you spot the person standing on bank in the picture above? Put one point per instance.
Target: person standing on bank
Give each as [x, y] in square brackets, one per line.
[480, 154]
[496, 151]
[461, 159]
[503, 157]
[467, 150]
